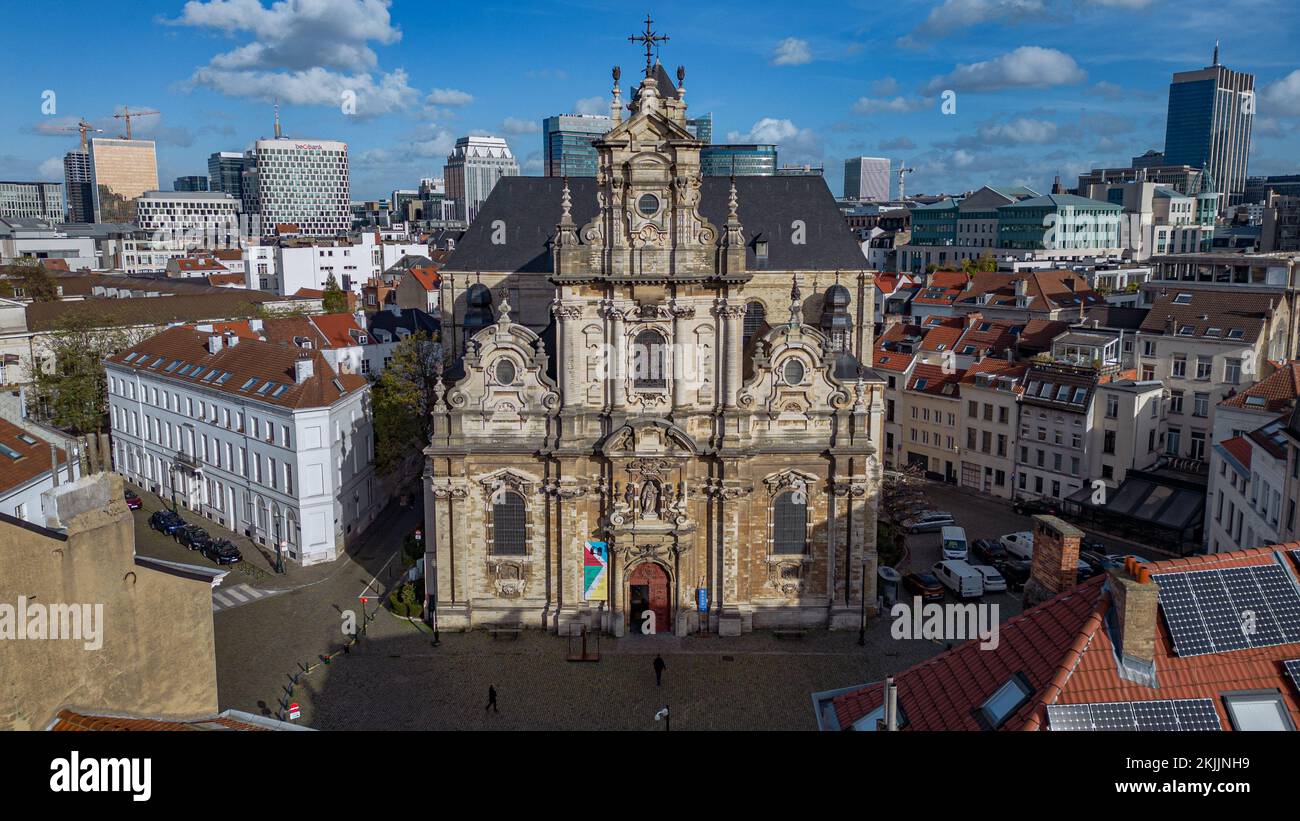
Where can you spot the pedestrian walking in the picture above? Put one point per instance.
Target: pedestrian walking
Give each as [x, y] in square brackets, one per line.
[492, 700]
[659, 670]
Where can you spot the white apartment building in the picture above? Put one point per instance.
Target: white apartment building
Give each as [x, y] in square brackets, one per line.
[1056, 415]
[472, 171]
[29, 467]
[990, 421]
[263, 438]
[287, 266]
[303, 183]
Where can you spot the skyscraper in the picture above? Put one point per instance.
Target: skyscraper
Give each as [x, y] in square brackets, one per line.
[190, 183]
[120, 171]
[1210, 115]
[77, 188]
[38, 200]
[226, 172]
[701, 127]
[866, 178]
[302, 183]
[567, 143]
[740, 160]
[472, 171]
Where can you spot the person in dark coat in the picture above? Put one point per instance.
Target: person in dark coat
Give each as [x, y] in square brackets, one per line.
[659, 670]
[492, 700]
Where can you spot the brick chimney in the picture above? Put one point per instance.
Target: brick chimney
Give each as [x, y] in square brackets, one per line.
[1133, 612]
[1055, 563]
[974, 318]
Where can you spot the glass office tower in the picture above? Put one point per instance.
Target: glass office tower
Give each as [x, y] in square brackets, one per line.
[567, 143]
[1210, 115]
[741, 160]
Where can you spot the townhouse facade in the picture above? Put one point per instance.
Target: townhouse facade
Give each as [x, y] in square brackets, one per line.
[263, 438]
[990, 422]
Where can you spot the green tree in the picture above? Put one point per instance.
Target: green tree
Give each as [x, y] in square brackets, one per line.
[402, 398]
[334, 301]
[35, 282]
[70, 386]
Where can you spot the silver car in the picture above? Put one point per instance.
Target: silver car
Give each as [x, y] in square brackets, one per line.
[929, 521]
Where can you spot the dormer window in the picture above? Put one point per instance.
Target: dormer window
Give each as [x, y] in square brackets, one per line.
[760, 249]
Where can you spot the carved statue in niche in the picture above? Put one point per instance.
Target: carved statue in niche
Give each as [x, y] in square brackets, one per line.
[650, 499]
[629, 495]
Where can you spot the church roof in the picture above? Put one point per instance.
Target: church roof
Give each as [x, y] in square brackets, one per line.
[529, 207]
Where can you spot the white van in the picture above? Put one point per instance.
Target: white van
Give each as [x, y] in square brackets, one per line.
[954, 543]
[963, 580]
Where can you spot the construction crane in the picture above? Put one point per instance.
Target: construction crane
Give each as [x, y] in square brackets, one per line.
[127, 114]
[901, 185]
[84, 127]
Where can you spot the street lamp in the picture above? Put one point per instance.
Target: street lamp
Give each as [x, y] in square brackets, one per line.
[279, 556]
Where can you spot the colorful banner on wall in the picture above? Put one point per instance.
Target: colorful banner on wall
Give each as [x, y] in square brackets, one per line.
[595, 571]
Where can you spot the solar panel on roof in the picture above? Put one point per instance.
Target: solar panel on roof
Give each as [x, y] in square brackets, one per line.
[1165, 715]
[1293, 670]
[1215, 611]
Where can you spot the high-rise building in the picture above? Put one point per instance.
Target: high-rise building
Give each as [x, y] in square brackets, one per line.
[226, 172]
[37, 200]
[701, 127]
[472, 171]
[567, 143]
[1150, 159]
[866, 178]
[1208, 126]
[190, 183]
[76, 186]
[120, 171]
[302, 183]
[740, 160]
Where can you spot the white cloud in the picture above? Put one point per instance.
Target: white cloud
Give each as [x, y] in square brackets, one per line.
[306, 52]
[51, 170]
[962, 158]
[516, 126]
[884, 87]
[796, 145]
[897, 144]
[449, 97]
[791, 52]
[435, 144]
[952, 15]
[591, 105]
[1020, 131]
[1026, 67]
[894, 105]
[1282, 97]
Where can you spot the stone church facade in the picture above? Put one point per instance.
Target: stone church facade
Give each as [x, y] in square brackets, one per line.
[641, 379]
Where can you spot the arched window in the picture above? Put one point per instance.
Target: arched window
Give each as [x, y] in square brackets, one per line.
[755, 322]
[508, 531]
[789, 525]
[649, 360]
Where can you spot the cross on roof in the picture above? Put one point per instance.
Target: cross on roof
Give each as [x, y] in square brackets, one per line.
[650, 38]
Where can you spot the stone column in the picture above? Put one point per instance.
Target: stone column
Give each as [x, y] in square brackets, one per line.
[618, 369]
[571, 357]
[730, 350]
[685, 358]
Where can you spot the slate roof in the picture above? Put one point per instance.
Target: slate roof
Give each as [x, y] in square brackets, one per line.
[410, 319]
[1210, 314]
[530, 209]
[1063, 648]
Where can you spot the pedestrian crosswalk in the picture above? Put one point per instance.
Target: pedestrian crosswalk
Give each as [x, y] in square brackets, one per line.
[225, 598]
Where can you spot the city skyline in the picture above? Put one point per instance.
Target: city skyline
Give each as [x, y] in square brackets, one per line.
[1043, 89]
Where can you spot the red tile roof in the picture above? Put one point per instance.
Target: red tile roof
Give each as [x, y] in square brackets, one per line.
[33, 458]
[937, 382]
[886, 355]
[1067, 659]
[73, 721]
[998, 367]
[942, 335]
[1047, 291]
[1279, 391]
[1239, 448]
[426, 276]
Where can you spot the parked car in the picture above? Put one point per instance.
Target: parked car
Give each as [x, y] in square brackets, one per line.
[1018, 545]
[988, 551]
[133, 502]
[924, 585]
[993, 580]
[1016, 572]
[221, 551]
[928, 521]
[193, 537]
[963, 580]
[1028, 507]
[166, 521]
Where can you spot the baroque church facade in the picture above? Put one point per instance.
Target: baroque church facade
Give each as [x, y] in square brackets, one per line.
[649, 427]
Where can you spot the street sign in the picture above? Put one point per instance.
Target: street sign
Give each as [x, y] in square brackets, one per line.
[294, 711]
[419, 535]
[702, 599]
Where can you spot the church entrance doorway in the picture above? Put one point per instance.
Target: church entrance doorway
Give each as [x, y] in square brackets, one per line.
[648, 590]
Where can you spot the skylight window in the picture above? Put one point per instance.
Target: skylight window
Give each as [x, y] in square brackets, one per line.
[153, 366]
[1045, 390]
[1062, 393]
[265, 387]
[1213, 331]
[279, 389]
[224, 378]
[207, 377]
[1257, 711]
[1186, 330]
[1256, 401]
[1183, 299]
[10, 452]
[130, 356]
[1079, 394]
[1236, 333]
[27, 439]
[176, 363]
[920, 384]
[248, 384]
[1008, 698]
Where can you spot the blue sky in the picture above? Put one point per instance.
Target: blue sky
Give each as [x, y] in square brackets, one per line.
[1042, 86]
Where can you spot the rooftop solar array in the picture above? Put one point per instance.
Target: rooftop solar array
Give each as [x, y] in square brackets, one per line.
[1293, 670]
[1172, 715]
[1214, 611]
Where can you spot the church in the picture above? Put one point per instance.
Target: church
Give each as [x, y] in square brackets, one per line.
[660, 417]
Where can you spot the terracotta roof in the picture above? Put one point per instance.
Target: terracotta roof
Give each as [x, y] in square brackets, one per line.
[73, 721]
[987, 336]
[1039, 333]
[1058, 647]
[1047, 291]
[1240, 450]
[221, 303]
[936, 295]
[887, 355]
[942, 335]
[931, 379]
[1226, 314]
[1273, 394]
[997, 367]
[324, 331]
[226, 279]
[251, 365]
[426, 276]
[949, 279]
[29, 459]
[198, 264]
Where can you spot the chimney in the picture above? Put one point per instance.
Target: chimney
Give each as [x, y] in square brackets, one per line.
[973, 318]
[1133, 612]
[303, 367]
[54, 464]
[1022, 286]
[214, 344]
[1055, 561]
[231, 339]
[891, 705]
